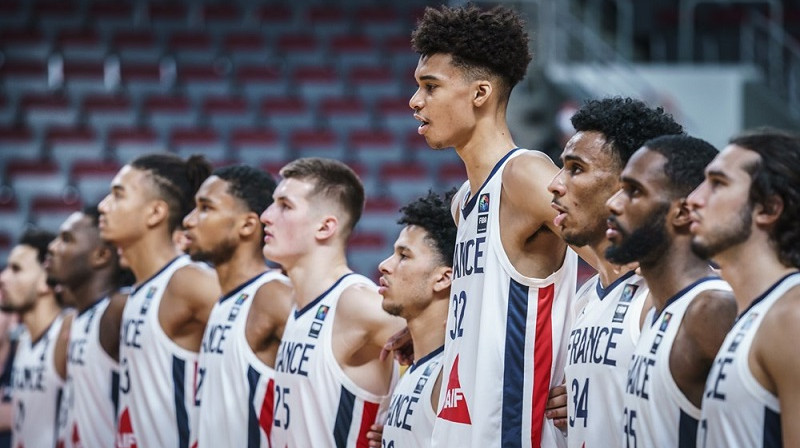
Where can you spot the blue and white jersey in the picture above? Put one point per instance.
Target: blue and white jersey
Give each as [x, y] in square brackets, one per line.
[91, 393]
[657, 413]
[157, 376]
[601, 344]
[37, 389]
[411, 414]
[737, 410]
[235, 389]
[506, 336]
[316, 403]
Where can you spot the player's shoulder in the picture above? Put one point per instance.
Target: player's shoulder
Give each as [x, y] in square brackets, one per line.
[527, 163]
[193, 276]
[272, 294]
[784, 315]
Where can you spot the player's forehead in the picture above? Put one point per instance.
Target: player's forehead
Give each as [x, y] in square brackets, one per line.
[587, 147]
[733, 162]
[438, 66]
[294, 188]
[75, 222]
[23, 255]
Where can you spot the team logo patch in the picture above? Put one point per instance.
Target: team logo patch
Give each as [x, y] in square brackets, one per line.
[736, 341]
[628, 292]
[483, 203]
[619, 313]
[420, 385]
[483, 220]
[322, 311]
[656, 343]
[665, 321]
[454, 408]
[232, 315]
[151, 292]
[749, 321]
[240, 300]
[125, 436]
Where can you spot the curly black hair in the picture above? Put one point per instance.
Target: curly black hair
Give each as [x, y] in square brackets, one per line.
[432, 213]
[250, 185]
[776, 174]
[493, 42]
[626, 124]
[687, 158]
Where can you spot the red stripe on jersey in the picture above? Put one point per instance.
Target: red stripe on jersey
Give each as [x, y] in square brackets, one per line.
[542, 361]
[368, 416]
[267, 408]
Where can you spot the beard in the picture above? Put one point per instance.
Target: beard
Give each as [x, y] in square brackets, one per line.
[221, 254]
[723, 237]
[643, 244]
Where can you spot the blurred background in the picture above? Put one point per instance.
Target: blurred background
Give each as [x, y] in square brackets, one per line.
[87, 85]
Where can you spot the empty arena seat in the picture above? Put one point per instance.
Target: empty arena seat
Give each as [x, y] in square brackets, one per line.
[104, 111]
[452, 174]
[380, 21]
[397, 114]
[166, 111]
[205, 79]
[327, 19]
[365, 250]
[191, 46]
[129, 143]
[343, 114]
[405, 181]
[276, 19]
[287, 113]
[23, 75]
[198, 140]
[81, 43]
[136, 45]
[374, 147]
[29, 178]
[350, 50]
[259, 81]
[318, 81]
[12, 216]
[67, 144]
[44, 110]
[246, 47]
[255, 146]
[380, 213]
[93, 178]
[224, 112]
[25, 43]
[82, 77]
[18, 142]
[373, 81]
[49, 212]
[299, 49]
[316, 143]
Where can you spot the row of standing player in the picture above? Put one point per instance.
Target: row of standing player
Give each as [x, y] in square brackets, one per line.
[494, 294]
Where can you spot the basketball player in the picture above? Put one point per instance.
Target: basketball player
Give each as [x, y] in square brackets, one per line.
[329, 382]
[37, 374]
[166, 313]
[745, 217]
[692, 308]
[87, 267]
[513, 276]
[235, 381]
[609, 305]
[415, 285]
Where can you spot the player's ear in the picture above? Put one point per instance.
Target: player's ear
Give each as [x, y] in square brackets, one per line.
[157, 211]
[681, 213]
[250, 224]
[483, 91]
[101, 256]
[768, 211]
[444, 278]
[328, 225]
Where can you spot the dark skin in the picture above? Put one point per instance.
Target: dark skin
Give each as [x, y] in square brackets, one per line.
[711, 314]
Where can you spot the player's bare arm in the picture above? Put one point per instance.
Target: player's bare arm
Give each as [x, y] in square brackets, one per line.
[267, 319]
[110, 324]
[186, 305]
[707, 321]
[774, 360]
[360, 330]
[62, 346]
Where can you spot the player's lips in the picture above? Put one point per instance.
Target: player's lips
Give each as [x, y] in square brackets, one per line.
[383, 285]
[267, 236]
[613, 229]
[562, 213]
[696, 220]
[101, 222]
[424, 123]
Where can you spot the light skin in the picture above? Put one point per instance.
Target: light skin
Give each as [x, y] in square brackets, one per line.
[24, 289]
[415, 285]
[580, 190]
[751, 267]
[221, 220]
[134, 218]
[306, 235]
[707, 320]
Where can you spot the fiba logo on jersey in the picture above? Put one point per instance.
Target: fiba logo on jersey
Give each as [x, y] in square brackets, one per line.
[483, 203]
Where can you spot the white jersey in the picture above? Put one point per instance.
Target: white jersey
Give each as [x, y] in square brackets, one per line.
[156, 387]
[506, 336]
[92, 387]
[235, 389]
[37, 389]
[657, 413]
[737, 410]
[411, 416]
[316, 404]
[601, 344]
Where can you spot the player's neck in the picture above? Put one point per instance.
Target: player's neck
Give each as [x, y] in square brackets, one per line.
[38, 319]
[313, 274]
[243, 265]
[88, 292]
[148, 255]
[676, 269]
[606, 270]
[482, 152]
[428, 329]
[751, 271]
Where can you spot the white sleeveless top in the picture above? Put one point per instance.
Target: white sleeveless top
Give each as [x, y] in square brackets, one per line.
[316, 404]
[410, 420]
[656, 412]
[601, 344]
[737, 410]
[92, 387]
[235, 389]
[37, 389]
[506, 336]
[156, 387]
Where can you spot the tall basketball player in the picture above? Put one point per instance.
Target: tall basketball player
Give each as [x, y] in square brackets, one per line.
[88, 268]
[166, 312]
[745, 217]
[235, 381]
[513, 276]
[37, 374]
[693, 308]
[329, 381]
[609, 305]
[415, 285]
